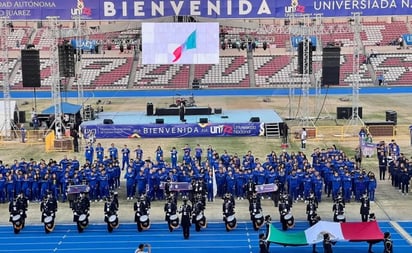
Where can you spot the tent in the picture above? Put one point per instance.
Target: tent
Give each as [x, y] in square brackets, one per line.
[347, 231]
[67, 108]
[71, 112]
[13, 108]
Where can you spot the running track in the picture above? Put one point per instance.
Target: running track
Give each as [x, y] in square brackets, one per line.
[214, 238]
[347, 91]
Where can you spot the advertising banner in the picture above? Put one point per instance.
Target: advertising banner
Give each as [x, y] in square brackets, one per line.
[173, 130]
[243, 9]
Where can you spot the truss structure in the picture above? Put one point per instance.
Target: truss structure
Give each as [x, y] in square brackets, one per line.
[7, 124]
[53, 32]
[357, 47]
[79, 35]
[304, 26]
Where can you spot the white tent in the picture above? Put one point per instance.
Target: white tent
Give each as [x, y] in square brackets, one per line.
[3, 125]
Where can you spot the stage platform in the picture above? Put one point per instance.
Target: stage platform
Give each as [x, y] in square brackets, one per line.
[140, 125]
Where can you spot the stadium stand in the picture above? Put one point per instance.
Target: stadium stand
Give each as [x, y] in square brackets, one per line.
[274, 67]
[395, 67]
[105, 72]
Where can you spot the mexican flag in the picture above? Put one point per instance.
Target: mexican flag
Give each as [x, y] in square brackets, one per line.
[347, 231]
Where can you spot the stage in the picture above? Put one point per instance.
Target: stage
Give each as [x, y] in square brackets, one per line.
[166, 123]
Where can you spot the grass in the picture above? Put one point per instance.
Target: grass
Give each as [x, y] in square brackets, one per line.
[374, 108]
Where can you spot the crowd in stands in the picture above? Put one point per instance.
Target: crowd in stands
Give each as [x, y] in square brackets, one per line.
[327, 172]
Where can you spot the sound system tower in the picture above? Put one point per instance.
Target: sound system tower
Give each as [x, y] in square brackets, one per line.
[392, 116]
[30, 68]
[331, 66]
[254, 119]
[66, 60]
[149, 109]
[301, 68]
[108, 121]
[346, 112]
[203, 120]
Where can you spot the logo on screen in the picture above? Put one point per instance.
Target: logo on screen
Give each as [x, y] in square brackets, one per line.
[190, 43]
[294, 7]
[81, 9]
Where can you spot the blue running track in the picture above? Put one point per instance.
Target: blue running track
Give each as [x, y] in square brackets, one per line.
[214, 238]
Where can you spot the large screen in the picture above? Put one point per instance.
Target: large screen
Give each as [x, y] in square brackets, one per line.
[180, 43]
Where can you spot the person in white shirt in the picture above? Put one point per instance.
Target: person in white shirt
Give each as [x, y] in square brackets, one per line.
[303, 137]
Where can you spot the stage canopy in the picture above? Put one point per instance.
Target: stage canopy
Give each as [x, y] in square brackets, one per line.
[67, 108]
[347, 231]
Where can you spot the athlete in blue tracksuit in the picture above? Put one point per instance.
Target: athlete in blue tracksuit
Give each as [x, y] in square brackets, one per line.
[99, 153]
[173, 157]
[230, 183]
[240, 182]
[130, 181]
[318, 187]
[93, 180]
[293, 185]
[209, 185]
[2, 189]
[113, 153]
[347, 186]
[336, 185]
[10, 188]
[372, 184]
[88, 153]
[159, 154]
[103, 185]
[141, 182]
[125, 157]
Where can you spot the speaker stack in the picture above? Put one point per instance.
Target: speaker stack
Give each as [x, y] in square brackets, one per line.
[346, 112]
[149, 109]
[30, 68]
[331, 65]
[301, 68]
[66, 60]
[392, 116]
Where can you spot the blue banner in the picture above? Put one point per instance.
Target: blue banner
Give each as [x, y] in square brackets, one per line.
[407, 38]
[103, 131]
[297, 39]
[244, 9]
[86, 45]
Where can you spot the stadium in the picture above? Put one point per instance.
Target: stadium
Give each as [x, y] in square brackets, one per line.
[238, 75]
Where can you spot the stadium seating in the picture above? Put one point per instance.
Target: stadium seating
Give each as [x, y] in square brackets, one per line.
[395, 67]
[105, 72]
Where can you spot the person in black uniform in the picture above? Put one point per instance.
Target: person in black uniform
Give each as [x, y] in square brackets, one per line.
[365, 207]
[387, 243]
[81, 206]
[338, 209]
[250, 188]
[75, 136]
[48, 207]
[110, 208]
[284, 208]
[255, 207]
[22, 205]
[263, 244]
[327, 244]
[198, 209]
[170, 209]
[186, 211]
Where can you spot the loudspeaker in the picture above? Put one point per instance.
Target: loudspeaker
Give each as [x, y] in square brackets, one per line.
[30, 68]
[107, 121]
[195, 84]
[218, 110]
[149, 109]
[160, 121]
[301, 68]
[66, 60]
[346, 112]
[254, 119]
[392, 116]
[331, 66]
[203, 120]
